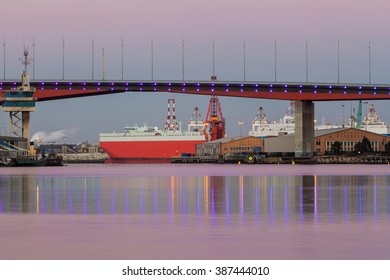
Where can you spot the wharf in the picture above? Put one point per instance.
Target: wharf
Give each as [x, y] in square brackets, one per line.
[85, 157]
[368, 159]
[196, 159]
[256, 159]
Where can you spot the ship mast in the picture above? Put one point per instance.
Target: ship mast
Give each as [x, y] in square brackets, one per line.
[196, 123]
[289, 117]
[260, 116]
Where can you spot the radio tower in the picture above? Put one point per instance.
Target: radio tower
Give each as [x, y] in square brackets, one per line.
[171, 123]
[215, 123]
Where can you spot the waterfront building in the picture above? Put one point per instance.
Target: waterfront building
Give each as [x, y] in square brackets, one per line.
[348, 137]
[235, 145]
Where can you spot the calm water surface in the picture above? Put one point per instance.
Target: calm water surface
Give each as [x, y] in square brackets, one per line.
[195, 212]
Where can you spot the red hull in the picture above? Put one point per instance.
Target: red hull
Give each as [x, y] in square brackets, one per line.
[147, 151]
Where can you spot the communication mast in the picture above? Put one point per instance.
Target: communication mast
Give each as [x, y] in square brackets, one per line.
[171, 123]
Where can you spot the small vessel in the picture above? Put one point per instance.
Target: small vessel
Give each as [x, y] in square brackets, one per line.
[28, 161]
[151, 144]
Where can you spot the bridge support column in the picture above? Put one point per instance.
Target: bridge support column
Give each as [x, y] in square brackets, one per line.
[304, 128]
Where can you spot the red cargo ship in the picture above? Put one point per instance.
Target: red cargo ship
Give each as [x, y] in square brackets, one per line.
[149, 144]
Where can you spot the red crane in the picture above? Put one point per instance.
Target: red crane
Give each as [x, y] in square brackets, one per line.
[215, 123]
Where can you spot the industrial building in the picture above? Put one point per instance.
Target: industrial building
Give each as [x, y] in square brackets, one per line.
[11, 147]
[229, 146]
[323, 140]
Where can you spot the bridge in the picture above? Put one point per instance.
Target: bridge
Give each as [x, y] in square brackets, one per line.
[304, 93]
[52, 90]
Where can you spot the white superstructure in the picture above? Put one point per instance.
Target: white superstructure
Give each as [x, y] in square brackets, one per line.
[262, 127]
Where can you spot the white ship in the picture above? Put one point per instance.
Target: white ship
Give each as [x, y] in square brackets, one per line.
[373, 123]
[262, 127]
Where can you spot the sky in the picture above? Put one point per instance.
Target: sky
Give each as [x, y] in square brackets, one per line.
[167, 22]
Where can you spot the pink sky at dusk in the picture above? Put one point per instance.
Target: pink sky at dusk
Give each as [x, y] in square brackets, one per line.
[259, 22]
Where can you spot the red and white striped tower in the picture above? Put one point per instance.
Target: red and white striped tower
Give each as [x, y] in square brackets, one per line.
[171, 123]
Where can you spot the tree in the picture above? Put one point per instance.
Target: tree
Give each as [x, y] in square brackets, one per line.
[364, 146]
[336, 148]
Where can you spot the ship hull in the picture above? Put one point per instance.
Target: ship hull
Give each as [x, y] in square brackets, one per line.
[152, 151]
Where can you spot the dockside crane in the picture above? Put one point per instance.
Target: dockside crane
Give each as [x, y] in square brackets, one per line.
[215, 123]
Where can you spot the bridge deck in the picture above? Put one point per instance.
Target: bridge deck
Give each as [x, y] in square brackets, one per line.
[50, 89]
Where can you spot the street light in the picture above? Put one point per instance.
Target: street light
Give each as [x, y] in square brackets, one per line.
[122, 56]
[244, 47]
[4, 45]
[338, 61]
[93, 58]
[307, 62]
[275, 61]
[365, 118]
[369, 61]
[63, 59]
[240, 123]
[213, 77]
[182, 59]
[152, 58]
[33, 59]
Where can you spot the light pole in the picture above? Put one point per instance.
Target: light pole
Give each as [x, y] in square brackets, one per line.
[152, 58]
[122, 57]
[182, 59]
[275, 46]
[33, 59]
[213, 77]
[4, 45]
[307, 62]
[369, 62]
[244, 47]
[93, 58]
[342, 117]
[365, 118]
[63, 59]
[338, 61]
[240, 123]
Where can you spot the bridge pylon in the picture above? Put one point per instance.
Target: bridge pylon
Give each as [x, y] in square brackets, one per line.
[19, 102]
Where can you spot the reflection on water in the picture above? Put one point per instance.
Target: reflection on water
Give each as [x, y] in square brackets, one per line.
[274, 197]
[244, 209]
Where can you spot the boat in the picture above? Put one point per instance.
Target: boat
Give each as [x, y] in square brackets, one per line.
[28, 161]
[261, 127]
[373, 123]
[149, 144]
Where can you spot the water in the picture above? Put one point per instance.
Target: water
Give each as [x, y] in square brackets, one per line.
[195, 212]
